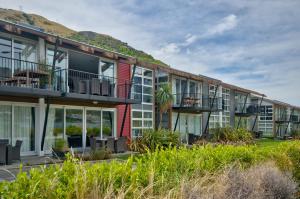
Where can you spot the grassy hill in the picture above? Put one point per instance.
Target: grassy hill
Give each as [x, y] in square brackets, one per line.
[89, 37]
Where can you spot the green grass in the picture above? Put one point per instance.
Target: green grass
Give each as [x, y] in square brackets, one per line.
[269, 143]
[159, 171]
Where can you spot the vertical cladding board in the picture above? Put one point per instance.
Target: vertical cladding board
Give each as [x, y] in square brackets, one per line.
[123, 75]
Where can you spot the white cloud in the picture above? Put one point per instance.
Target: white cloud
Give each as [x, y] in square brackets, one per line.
[264, 36]
[226, 24]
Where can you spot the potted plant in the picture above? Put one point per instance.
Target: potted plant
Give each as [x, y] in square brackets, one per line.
[74, 134]
[44, 80]
[60, 148]
[107, 131]
[91, 132]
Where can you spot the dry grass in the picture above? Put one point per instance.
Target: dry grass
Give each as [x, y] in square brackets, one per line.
[259, 182]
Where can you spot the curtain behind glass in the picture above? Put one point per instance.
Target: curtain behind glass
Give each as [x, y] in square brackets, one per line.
[55, 127]
[5, 122]
[24, 127]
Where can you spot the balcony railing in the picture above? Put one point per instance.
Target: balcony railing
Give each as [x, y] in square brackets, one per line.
[25, 74]
[197, 102]
[247, 109]
[281, 118]
[20, 73]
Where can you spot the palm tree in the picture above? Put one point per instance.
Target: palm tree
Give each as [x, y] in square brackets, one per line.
[164, 99]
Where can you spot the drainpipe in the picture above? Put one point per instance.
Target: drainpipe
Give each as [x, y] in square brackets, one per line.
[244, 106]
[181, 104]
[47, 99]
[205, 132]
[255, 120]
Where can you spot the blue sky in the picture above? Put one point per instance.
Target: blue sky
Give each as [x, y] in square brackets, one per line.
[254, 44]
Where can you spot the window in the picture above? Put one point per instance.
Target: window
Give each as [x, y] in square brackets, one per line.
[265, 123]
[226, 106]
[107, 69]
[142, 114]
[61, 61]
[214, 120]
[5, 63]
[17, 122]
[24, 51]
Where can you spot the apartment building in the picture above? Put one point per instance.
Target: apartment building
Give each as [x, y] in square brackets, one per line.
[53, 87]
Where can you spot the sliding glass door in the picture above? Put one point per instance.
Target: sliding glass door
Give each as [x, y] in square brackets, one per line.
[17, 122]
[74, 127]
[5, 122]
[55, 127]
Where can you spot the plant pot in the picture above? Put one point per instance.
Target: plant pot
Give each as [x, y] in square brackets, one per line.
[75, 141]
[58, 153]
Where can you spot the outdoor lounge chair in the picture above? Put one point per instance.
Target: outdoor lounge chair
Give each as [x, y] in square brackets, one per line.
[110, 144]
[3, 153]
[16, 150]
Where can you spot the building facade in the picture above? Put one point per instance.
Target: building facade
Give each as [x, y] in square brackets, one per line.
[52, 87]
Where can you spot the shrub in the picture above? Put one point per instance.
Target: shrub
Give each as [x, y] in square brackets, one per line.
[73, 130]
[157, 174]
[152, 139]
[295, 134]
[60, 144]
[228, 134]
[258, 182]
[93, 131]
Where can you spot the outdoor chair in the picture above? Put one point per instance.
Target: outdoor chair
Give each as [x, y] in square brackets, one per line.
[83, 87]
[110, 144]
[4, 141]
[121, 145]
[105, 87]
[16, 150]
[3, 153]
[95, 86]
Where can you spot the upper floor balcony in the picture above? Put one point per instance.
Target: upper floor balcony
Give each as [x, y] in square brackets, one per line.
[282, 118]
[196, 103]
[24, 78]
[246, 109]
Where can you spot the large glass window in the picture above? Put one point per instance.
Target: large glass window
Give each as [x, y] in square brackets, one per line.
[142, 115]
[5, 122]
[265, 122]
[226, 107]
[74, 121]
[5, 47]
[107, 69]
[108, 124]
[55, 127]
[214, 120]
[24, 127]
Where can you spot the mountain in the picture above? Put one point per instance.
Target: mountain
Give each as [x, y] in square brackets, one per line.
[89, 37]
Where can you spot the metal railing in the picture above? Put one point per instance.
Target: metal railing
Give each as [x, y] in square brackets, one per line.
[281, 117]
[248, 108]
[197, 101]
[25, 74]
[20, 73]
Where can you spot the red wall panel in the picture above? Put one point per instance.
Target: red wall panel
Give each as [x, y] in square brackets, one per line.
[123, 75]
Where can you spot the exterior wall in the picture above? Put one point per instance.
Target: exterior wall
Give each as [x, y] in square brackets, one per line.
[123, 76]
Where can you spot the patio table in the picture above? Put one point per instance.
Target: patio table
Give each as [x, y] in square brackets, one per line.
[29, 74]
[102, 141]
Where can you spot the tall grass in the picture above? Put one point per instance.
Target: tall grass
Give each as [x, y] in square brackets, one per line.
[153, 174]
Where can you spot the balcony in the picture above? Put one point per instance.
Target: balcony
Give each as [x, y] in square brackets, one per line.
[196, 103]
[246, 110]
[282, 118]
[24, 78]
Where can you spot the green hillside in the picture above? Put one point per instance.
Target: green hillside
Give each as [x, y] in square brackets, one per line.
[89, 37]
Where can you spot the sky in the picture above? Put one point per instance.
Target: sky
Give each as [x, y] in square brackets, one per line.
[253, 44]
